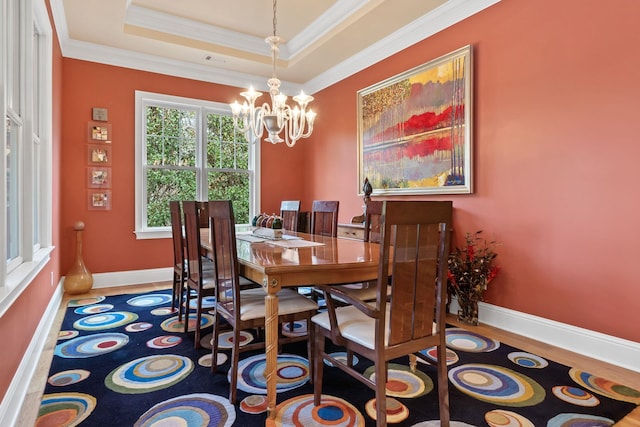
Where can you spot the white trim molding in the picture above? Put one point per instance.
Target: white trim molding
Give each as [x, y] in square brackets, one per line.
[12, 402]
[607, 348]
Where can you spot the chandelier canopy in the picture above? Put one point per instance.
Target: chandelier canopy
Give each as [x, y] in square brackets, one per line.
[296, 122]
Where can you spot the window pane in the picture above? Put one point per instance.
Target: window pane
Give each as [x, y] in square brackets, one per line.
[164, 185]
[171, 136]
[13, 175]
[233, 186]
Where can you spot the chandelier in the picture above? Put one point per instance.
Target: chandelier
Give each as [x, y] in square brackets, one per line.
[296, 122]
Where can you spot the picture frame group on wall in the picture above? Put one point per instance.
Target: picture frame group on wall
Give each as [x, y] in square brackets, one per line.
[99, 150]
[415, 129]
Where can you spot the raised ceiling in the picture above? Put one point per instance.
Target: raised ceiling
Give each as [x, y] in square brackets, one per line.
[220, 41]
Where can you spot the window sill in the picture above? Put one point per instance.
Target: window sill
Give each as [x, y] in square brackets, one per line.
[18, 280]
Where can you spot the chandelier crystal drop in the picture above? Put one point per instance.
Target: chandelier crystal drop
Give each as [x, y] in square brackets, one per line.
[296, 122]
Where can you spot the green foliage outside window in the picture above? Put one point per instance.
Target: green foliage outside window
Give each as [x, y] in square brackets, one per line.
[171, 162]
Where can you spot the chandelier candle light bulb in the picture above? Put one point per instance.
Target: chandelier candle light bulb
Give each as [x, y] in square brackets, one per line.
[296, 122]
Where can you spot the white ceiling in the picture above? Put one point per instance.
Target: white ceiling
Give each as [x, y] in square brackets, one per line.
[222, 41]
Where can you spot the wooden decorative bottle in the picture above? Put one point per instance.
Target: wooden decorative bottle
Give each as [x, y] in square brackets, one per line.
[78, 280]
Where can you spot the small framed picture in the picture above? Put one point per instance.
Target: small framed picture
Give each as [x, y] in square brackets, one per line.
[99, 132]
[99, 154]
[99, 200]
[99, 177]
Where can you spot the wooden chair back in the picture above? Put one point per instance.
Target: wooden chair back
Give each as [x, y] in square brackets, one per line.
[192, 243]
[226, 278]
[373, 221]
[414, 237]
[176, 234]
[203, 213]
[290, 213]
[179, 272]
[324, 217]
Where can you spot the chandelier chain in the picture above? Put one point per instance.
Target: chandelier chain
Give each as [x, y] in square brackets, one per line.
[275, 19]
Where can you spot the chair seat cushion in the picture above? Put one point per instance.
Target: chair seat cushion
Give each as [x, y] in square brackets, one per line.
[354, 325]
[289, 302]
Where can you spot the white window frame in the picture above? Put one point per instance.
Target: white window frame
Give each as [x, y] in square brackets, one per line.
[143, 99]
[35, 174]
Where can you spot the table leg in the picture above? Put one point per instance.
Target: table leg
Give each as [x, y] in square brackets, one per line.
[271, 350]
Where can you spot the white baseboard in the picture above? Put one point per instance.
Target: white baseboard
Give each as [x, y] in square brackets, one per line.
[13, 399]
[134, 277]
[607, 348]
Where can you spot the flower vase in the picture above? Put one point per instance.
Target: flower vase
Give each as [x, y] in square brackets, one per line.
[468, 313]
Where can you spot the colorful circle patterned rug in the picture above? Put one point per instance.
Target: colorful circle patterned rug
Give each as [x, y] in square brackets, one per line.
[436, 423]
[396, 411]
[79, 302]
[191, 410]
[431, 354]
[605, 387]
[527, 360]
[93, 309]
[292, 372]
[164, 341]
[91, 345]
[149, 300]
[173, 325]
[461, 339]
[496, 384]
[299, 328]
[69, 377]
[225, 339]
[332, 411]
[64, 409]
[579, 420]
[402, 382]
[254, 404]
[575, 395]
[341, 356]
[502, 418]
[98, 322]
[148, 374]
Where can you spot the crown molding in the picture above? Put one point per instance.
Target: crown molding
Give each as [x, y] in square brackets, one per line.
[442, 17]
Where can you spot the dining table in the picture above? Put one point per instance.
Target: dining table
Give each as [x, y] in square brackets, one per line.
[297, 259]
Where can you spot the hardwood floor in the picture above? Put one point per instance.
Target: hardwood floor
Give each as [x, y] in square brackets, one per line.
[29, 411]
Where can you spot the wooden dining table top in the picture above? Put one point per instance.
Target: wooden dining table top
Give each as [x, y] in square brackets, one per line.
[309, 259]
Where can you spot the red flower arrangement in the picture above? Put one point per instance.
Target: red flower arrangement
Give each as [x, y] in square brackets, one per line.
[470, 270]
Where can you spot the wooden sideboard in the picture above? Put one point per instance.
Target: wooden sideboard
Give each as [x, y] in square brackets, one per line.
[351, 231]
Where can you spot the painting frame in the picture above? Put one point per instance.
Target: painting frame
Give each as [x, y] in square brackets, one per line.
[415, 129]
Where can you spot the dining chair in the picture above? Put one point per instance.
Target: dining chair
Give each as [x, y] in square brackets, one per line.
[179, 265]
[244, 308]
[197, 281]
[415, 239]
[290, 212]
[324, 217]
[366, 291]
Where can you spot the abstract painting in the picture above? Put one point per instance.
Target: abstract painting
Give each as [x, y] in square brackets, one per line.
[414, 129]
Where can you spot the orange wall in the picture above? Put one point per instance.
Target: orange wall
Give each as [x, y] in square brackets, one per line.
[556, 152]
[21, 320]
[109, 242]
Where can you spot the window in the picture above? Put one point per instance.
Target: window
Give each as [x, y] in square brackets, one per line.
[26, 172]
[188, 149]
